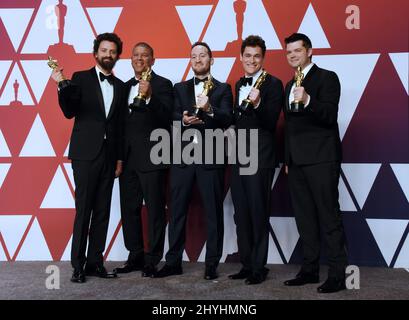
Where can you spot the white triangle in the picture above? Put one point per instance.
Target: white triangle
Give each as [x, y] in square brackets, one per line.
[23, 94]
[345, 200]
[194, 19]
[104, 19]
[285, 230]
[276, 174]
[403, 258]
[66, 256]
[44, 31]
[361, 177]
[311, 26]
[387, 234]
[67, 150]
[4, 68]
[58, 194]
[400, 61]
[230, 235]
[185, 257]
[38, 74]
[118, 251]
[223, 29]
[354, 71]
[202, 256]
[2, 254]
[401, 171]
[172, 69]
[166, 246]
[220, 70]
[37, 143]
[4, 169]
[70, 173]
[35, 247]
[12, 228]
[123, 69]
[16, 21]
[273, 254]
[4, 148]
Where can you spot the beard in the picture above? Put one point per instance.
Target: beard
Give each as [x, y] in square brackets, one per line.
[106, 63]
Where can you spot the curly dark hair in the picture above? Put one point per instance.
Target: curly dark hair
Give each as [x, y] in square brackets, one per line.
[254, 41]
[297, 37]
[112, 37]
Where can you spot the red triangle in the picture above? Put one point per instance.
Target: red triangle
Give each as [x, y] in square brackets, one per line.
[56, 225]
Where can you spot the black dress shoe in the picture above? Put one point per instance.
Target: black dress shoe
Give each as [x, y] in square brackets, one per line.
[128, 267]
[257, 277]
[302, 279]
[78, 276]
[332, 285]
[167, 271]
[242, 274]
[149, 271]
[210, 273]
[99, 271]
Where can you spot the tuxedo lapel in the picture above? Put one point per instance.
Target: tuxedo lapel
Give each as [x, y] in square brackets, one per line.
[97, 89]
[190, 94]
[309, 76]
[114, 99]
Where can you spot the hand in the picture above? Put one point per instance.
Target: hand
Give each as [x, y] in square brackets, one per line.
[203, 102]
[254, 96]
[301, 95]
[188, 120]
[57, 75]
[286, 169]
[118, 169]
[145, 88]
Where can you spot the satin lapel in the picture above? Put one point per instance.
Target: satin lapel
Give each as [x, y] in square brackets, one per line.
[114, 99]
[309, 76]
[190, 94]
[287, 93]
[98, 90]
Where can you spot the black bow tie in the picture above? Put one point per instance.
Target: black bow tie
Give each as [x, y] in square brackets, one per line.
[109, 78]
[244, 81]
[133, 82]
[197, 80]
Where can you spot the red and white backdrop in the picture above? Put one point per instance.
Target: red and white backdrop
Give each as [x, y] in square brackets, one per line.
[371, 60]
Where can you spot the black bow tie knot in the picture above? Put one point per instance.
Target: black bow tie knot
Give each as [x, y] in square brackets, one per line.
[244, 81]
[197, 80]
[109, 78]
[133, 82]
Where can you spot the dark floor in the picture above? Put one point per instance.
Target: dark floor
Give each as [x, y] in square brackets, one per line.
[27, 280]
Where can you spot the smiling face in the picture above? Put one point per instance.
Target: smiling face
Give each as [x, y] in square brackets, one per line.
[252, 59]
[200, 60]
[107, 55]
[142, 59]
[298, 55]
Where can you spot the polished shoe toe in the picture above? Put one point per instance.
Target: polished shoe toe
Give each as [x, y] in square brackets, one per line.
[257, 277]
[100, 272]
[242, 274]
[302, 280]
[127, 268]
[210, 273]
[167, 271]
[332, 285]
[78, 276]
[149, 271]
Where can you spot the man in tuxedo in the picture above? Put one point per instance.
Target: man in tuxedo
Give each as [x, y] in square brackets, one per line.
[94, 98]
[209, 177]
[313, 155]
[141, 179]
[251, 193]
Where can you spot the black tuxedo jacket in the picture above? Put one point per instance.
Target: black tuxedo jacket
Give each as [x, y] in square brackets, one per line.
[312, 136]
[138, 126]
[83, 100]
[221, 100]
[264, 118]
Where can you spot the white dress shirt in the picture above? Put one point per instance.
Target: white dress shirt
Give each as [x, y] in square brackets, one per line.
[244, 91]
[107, 91]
